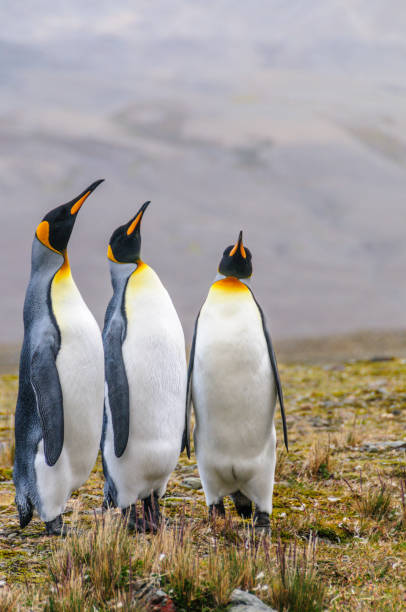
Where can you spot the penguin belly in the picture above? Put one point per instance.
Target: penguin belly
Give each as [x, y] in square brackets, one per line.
[234, 398]
[80, 366]
[155, 363]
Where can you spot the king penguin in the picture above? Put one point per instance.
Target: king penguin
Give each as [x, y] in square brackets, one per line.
[233, 381]
[59, 410]
[146, 375]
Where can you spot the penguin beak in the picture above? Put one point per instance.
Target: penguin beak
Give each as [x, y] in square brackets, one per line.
[77, 202]
[137, 219]
[238, 246]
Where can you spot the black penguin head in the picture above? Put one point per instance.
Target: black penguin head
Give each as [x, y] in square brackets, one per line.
[125, 242]
[236, 260]
[56, 227]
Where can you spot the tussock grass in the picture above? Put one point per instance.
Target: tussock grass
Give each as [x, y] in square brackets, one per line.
[296, 586]
[283, 467]
[403, 503]
[7, 449]
[354, 436]
[374, 501]
[108, 567]
[90, 567]
[319, 463]
[10, 599]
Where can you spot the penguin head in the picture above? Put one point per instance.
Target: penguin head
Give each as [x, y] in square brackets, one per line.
[236, 260]
[125, 241]
[56, 227]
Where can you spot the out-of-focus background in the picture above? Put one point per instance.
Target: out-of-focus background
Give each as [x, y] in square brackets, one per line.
[286, 119]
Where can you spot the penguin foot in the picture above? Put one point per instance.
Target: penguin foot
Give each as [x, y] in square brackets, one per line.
[56, 527]
[145, 526]
[130, 515]
[152, 517]
[242, 504]
[262, 521]
[218, 509]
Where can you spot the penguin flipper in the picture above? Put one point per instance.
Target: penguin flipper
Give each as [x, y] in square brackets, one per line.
[48, 393]
[188, 407]
[275, 370]
[117, 384]
[25, 510]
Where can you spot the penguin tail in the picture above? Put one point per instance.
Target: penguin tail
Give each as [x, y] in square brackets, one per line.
[108, 502]
[185, 444]
[242, 504]
[25, 510]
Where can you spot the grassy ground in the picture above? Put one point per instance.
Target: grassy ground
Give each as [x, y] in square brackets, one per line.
[328, 485]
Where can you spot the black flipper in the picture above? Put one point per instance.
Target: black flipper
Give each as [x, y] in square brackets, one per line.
[25, 511]
[188, 407]
[48, 393]
[274, 365]
[116, 378]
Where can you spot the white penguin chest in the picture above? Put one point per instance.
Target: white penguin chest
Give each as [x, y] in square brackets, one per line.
[153, 352]
[80, 365]
[233, 385]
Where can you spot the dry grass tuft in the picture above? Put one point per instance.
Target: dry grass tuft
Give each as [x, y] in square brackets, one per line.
[283, 467]
[319, 463]
[354, 437]
[402, 522]
[297, 587]
[10, 599]
[90, 567]
[374, 501]
[7, 449]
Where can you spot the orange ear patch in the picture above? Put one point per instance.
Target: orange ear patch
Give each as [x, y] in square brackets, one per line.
[134, 224]
[242, 251]
[79, 203]
[42, 234]
[110, 255]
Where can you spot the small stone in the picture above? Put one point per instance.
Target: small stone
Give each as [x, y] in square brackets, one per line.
[242, 601]
[333, 499]
[161, 602]
[176, 500]
[192, 483]
[376, 447]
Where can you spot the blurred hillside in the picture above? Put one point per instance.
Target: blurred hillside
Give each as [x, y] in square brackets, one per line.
[284, 119]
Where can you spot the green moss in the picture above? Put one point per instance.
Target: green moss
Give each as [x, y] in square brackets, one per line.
[6, 474]
[8, 553]
[353, 553]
